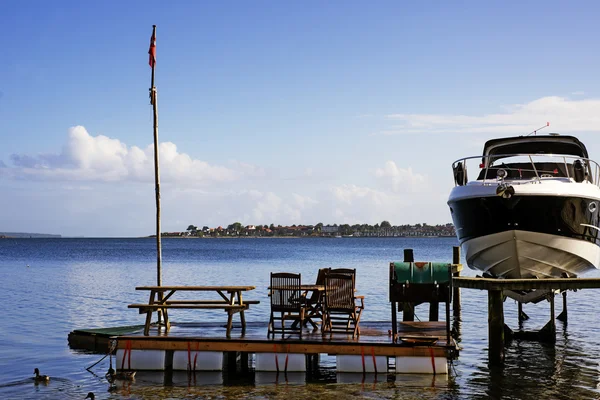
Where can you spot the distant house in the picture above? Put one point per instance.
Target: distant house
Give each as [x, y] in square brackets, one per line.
[330, 229]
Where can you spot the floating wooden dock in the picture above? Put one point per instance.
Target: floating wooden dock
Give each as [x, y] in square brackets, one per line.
[414, 346]
[424, 348]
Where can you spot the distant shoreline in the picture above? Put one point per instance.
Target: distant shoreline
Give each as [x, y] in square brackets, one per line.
[219, 237]
[297, 237]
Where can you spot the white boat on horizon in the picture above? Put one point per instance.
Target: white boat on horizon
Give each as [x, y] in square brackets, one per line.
[532, 211]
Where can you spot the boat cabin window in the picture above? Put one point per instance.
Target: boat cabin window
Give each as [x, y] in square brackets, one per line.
[527, 171]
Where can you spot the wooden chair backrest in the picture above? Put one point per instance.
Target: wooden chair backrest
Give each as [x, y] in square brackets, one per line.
[339, 292]
[344, 271]
[315, 295]
[285, 288]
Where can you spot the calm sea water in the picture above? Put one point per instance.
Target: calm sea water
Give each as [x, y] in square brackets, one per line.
[52, 286]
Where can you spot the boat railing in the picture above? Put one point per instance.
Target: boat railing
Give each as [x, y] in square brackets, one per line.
[525, 168]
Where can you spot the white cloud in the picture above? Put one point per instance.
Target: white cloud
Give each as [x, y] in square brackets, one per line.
[269, 206]
[99, 158]
[564, 115]
[303, 202]
[83, 185]
[402, 179]
[349, 194]
[353, 204]
[248, 169]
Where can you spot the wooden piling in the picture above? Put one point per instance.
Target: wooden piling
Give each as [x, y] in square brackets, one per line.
[521, 314]
[456, 290]
[409, 255]
[394, 320]
[168, 376]
[548, 332]
[408, 309]
[231, 361]
[244, 362]
[563, 315]
[495, 327]
[434, 309]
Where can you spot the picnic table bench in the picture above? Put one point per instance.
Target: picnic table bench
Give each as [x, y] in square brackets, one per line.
[230, 301]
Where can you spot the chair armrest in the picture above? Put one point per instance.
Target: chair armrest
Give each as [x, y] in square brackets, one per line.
[362, 301]
[301, 300]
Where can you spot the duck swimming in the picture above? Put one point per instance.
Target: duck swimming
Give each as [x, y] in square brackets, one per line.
[91, 395]
[40, 378]
[121, 376]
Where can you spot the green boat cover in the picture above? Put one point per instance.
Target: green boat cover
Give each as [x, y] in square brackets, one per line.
[114, 331]
[422, 272]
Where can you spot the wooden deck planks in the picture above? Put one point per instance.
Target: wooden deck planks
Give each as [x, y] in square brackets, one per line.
[211, 337]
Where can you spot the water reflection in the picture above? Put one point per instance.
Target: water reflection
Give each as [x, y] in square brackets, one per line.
[534, 370]
[279, 378]
[290, 385]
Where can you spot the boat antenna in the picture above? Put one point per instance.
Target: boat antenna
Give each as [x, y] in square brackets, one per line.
[538, 129]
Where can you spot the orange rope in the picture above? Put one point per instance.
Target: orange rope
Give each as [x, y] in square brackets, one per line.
[196, 355]
[286, 358]
[129, 355]
[362, 353]
[432, 359]
[189, 356]
[374, 360]
[126, 353]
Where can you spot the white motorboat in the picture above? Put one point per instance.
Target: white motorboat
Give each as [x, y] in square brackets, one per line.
[532, 211]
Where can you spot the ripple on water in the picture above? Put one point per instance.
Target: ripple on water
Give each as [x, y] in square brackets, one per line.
[86, 283]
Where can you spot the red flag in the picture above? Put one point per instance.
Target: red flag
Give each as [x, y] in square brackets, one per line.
[152, 51]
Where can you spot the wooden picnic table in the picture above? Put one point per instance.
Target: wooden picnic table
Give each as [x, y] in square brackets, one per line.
[161, 299]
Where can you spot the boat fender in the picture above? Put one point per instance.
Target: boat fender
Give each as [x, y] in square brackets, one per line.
[460, 174]
[578, 171]
[505, 191]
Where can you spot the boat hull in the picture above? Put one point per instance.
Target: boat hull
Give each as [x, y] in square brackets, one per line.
[518, 254]
[529, 235]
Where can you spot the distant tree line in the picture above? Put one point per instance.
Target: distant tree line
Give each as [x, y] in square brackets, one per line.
[384, 228]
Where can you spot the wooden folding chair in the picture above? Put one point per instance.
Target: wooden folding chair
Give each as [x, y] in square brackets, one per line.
[345, 271]
[314, 302]
[342, 313]
[287, 304]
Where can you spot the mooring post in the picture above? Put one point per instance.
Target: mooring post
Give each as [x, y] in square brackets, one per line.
[448, 323]
[456, 290]
[434, 309]
[168, 375]
[231, 360]
[548, 332]
[496, 327]
[408, 309]
[394, 304]
[244, 364]
[563, 315]
[394, 321]
[520, 312]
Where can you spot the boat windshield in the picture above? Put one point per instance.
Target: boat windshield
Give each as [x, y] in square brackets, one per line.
[557, 145]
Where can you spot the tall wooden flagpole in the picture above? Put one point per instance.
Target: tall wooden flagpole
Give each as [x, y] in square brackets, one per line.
[154, 101]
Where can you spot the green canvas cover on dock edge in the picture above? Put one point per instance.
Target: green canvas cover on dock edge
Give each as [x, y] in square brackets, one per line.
[422, 272]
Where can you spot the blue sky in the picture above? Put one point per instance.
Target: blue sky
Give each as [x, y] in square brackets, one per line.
[274, 112]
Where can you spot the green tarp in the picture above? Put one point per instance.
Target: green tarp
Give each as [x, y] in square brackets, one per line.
[422, 272]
